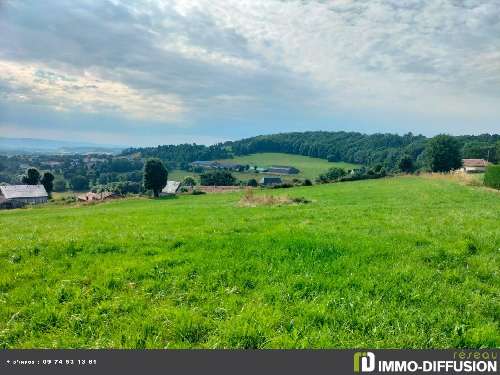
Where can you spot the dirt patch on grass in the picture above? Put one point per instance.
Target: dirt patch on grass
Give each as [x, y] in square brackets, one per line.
[252, 200]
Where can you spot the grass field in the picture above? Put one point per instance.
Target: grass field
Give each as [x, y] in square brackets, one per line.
[402, 262]
[309, 167]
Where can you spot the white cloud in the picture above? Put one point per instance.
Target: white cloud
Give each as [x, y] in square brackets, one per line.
[198, 62]
[63, 91]
[433, 57]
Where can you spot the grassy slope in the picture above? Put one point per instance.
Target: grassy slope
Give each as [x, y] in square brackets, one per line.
[309, 167]
[402, 262]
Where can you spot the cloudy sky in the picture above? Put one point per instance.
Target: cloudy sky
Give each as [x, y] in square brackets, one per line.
[169, 71]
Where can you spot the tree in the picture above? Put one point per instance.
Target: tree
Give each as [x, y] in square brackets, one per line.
[155, 176]
[406, 164]
[48, 182]
[189, 181]
[332, 174]
[492, 176]
[32, 177]
[59, 184]
[217, 178]
[252, 182]
[79, 183]
[444, 153]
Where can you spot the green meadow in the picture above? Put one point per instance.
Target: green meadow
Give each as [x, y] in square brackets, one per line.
[309, 167]
[406, 262]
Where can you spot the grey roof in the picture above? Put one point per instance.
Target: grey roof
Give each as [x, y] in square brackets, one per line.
[271, 180]
[172, 187]
[23, 191]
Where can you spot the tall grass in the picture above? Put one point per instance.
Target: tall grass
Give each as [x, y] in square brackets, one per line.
[393, 263]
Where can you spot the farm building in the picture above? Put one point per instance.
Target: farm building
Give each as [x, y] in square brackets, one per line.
[474, 165]
[23, 194]
[171, 188]
[217, 165]
[270, 181]
[232, 166]
[90, 196]
[282, 170]
[205, 164]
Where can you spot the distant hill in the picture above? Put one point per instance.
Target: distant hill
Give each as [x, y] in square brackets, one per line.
[348, 147]
[34, 145]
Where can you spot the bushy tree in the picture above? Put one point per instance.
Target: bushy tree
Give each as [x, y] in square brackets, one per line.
[406, 164]
[331, 175]
[492, 176]
[189, 181]
[155, 176]
[59, 184]
[48, 182]
[252, 182]
[32, 177]
[218, 178]
[444, 153]
[79, 183]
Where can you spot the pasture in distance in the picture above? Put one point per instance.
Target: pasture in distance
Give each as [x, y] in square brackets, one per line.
[309, 167]
[403, 262]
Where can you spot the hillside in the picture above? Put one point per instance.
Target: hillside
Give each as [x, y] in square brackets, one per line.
[309, 167]
[400, 262]
[341, 146]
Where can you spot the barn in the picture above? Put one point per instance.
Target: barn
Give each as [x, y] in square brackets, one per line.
[474, 165]
[23, 194]
[270, 181]
[281, 169]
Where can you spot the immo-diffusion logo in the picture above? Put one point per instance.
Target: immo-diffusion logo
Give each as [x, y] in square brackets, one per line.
[449, 363]
[364, 361]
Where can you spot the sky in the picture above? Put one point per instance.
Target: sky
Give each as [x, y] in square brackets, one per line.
[148, 72]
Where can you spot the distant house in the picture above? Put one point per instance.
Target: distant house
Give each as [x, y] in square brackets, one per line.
[171, 188]
[23, 194]
[205, 164]
[270, 181]
[232, 166]
[278, 169]
[90, 196]
[474, 165]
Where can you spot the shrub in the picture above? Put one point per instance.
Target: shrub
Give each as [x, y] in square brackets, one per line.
[79, 183]
[492, 176]
[59, 184]
[217, 178]
[189, 181]
[198, 192]
[252, 182]
[333, 174]
[406, 164]
[307, 182]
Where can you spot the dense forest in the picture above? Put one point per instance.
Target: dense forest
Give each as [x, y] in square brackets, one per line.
[179, 156]
[352, 147]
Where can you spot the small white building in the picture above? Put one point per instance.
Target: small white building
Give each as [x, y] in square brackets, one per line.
[171, 188]
[24, 194]
[474, 165]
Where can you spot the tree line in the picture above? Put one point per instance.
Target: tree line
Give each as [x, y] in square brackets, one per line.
[352, 147]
